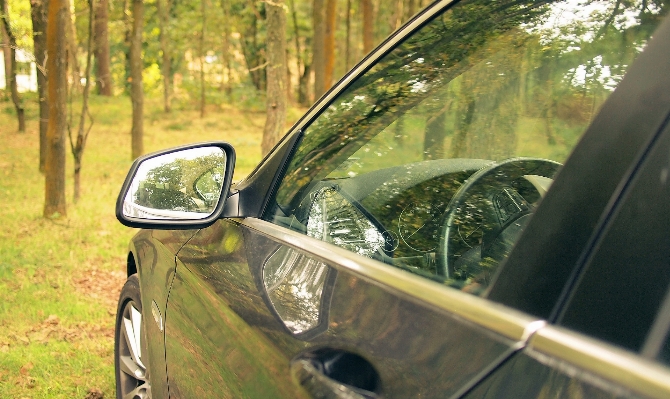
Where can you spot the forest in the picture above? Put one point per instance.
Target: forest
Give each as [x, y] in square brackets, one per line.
[132, 77]
[193, 55]
[89, 85]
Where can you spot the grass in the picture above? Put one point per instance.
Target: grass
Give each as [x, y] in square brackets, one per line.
[59, 279]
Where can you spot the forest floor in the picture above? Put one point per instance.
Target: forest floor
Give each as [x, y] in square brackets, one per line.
[60, 279]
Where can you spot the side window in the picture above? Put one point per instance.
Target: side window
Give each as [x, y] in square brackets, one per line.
[618, 298]
[434, 160]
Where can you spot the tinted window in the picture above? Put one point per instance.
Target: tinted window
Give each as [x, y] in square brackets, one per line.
[434, 160]
[622, 288]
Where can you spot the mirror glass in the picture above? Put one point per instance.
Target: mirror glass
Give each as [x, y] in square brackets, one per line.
[184, 184]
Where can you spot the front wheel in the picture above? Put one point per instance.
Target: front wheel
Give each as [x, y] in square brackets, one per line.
[130, 357]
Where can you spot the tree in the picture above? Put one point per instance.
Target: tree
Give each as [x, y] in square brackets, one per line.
[318, 51]
[201, 56]
[54, 168]
[329, 42]
[347, 44]
[38, 14]
[72, 48]
[7, 52]
[101, 49]
[136, 88]
[82, 132]
[163, 20]
[11, 40]
[253, 49]
[276, 75]
[368, 25]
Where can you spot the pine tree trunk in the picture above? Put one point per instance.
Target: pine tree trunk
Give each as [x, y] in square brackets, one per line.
[202, 58]
[298, 51]
[54, 170]
[6, 52]
[101, 52]
[276, 75]
[72, 48]
[11, 39]
[329, 42]
[136, 89]
[318, 51]
[38, 14]
[82, 133]
[411, 9]
[225, 81]
[347, 44]
[166, 66]
[368, 28]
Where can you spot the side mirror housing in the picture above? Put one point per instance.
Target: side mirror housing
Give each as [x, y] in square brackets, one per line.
[180, 188]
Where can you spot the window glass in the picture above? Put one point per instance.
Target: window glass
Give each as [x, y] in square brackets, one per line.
[434, 159]
[619, 295]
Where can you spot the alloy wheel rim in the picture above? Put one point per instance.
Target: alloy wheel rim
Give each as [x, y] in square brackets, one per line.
[133, 373]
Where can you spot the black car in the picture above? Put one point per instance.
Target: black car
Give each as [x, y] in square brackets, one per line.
[479, 209]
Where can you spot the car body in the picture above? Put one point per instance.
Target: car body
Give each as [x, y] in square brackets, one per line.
[477, 210]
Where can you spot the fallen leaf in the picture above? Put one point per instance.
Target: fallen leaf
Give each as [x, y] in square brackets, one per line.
[94, 393]
[25, 370]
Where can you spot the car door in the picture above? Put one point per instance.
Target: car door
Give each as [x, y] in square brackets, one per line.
[405, 189]
[610, 337]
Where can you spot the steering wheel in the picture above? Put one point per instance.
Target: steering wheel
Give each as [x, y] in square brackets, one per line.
[486, 216]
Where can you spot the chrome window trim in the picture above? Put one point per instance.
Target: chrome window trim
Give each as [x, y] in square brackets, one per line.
[500, 319]
[617, 365]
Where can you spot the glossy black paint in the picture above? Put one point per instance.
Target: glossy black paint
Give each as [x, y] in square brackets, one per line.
[532, 375]
[219, 319]
[153, 252]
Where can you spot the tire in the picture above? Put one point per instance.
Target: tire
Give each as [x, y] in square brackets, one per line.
[130, 353]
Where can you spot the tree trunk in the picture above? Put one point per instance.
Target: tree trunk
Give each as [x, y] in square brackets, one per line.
[202, 58]
[38, 14]
[397, 17]
[276, 75]
[54, 168]
[433, 141]
[11, 39]
[82, 132]
[101, 52]
[411, 9]
[298, 52]
[71, 35]
[318, 52]
[225, 81]
[166, 66]
[253, 54]
[368, 28]
[136, 89]
[347, 43]
[6, 51]
[329, 42]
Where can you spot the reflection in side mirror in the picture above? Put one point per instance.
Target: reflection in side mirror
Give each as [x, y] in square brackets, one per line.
[180, 185]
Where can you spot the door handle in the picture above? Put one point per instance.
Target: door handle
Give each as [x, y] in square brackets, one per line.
[330, 374]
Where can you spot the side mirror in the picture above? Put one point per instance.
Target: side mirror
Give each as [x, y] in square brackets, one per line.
[180, 188]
